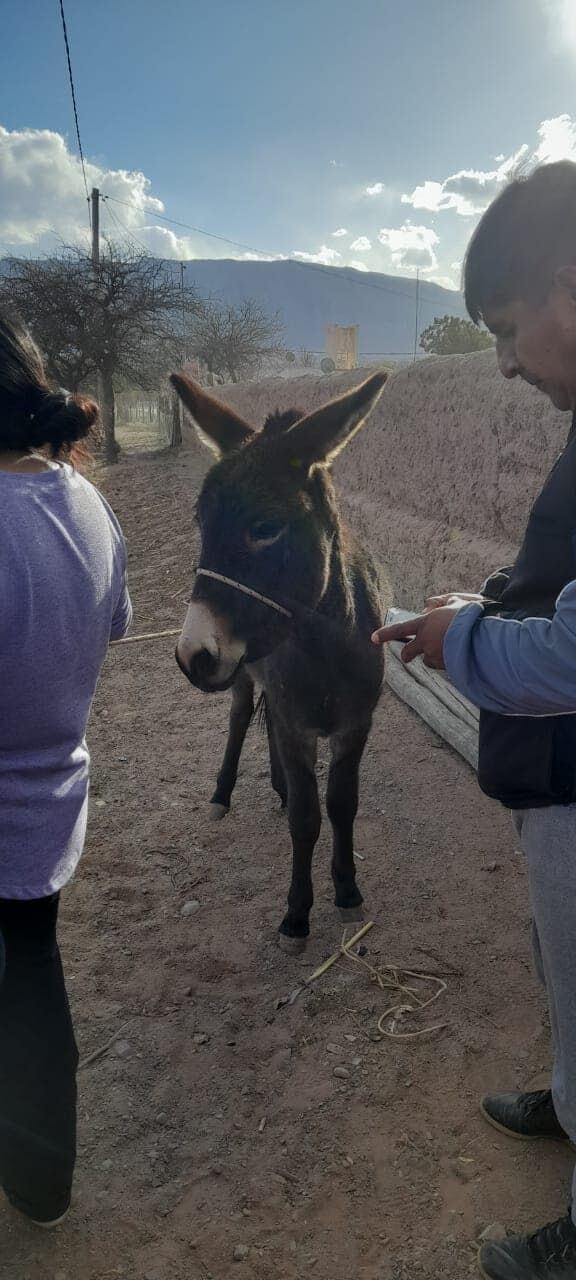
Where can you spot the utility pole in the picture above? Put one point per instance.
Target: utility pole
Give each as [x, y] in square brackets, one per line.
[182, 270]
[416, 315]
[176, 429]
[95, 202]
[104, 392]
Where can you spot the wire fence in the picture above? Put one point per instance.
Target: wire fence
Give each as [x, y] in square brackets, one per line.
[143, 421]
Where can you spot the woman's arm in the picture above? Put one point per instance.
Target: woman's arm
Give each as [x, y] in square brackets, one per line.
[122, 615]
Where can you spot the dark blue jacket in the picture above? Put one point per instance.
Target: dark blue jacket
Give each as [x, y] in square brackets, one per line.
[525, 761]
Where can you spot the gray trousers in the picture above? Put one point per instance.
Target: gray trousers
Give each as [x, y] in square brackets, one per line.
[548, 841]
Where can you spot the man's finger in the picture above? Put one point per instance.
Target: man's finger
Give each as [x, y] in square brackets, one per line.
[433, 663]
[412, 650]
[398, 631]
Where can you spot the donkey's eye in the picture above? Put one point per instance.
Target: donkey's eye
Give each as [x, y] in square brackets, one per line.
[265, 532]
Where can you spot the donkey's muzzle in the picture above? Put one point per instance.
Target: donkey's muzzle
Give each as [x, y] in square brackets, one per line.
[207, 653]
[203, 671]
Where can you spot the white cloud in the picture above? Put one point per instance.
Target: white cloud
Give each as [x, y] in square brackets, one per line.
[469, 191]
[44, 201]
[361, 245]
[159, 241]
[259, 257]
[359, 266]
[446, 282]
[411, 246]
[557, 138]
[375, 190]
[429, 195]
[327, 257]
[342, 231]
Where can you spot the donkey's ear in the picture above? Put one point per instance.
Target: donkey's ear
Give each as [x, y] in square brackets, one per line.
[317, 439]
[222, 430]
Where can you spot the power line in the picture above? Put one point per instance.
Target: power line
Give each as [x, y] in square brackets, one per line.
[123, 227]
[362, 355]
[73, 91]
[263, 253]
[212, 235]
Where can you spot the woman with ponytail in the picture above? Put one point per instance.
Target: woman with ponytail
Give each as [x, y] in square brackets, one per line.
[63, 597]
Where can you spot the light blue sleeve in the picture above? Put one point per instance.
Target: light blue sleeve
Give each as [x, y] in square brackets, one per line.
[515, 668]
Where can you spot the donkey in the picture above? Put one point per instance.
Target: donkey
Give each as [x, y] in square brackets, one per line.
[285, 598]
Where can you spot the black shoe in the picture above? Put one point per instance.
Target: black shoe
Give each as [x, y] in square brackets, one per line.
[48, 1219]
[549, 1254]
[524, 1115]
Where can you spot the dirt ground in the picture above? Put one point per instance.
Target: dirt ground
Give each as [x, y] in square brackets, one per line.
[215, 1125]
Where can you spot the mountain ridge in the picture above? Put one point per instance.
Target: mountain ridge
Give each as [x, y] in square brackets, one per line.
[310, 296]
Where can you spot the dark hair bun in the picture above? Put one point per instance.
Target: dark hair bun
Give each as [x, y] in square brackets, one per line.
[59, 419]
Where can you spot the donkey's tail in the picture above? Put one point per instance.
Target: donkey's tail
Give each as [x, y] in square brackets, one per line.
[261, 713]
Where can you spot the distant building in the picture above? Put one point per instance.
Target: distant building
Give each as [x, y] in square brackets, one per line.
[342, 345]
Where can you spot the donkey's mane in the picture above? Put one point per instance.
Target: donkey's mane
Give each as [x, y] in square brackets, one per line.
[277, 423]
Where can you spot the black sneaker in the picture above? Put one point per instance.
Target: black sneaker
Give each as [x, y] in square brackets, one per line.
[524, 1115]
[549, 1254]
[47, 1219]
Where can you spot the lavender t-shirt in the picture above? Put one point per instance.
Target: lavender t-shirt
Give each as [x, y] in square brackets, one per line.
[63, 597]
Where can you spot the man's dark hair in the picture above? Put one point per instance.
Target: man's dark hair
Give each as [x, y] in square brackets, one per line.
[528, 232]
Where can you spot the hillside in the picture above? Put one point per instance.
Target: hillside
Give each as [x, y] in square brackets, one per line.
[311, 297]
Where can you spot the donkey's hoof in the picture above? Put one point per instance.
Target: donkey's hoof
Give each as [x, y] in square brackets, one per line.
[291, 946]
[351, 915]
[218, 811]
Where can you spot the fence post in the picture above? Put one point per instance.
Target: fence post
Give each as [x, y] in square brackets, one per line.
[176, 423]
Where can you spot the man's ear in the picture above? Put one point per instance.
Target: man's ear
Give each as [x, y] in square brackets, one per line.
[218, 427]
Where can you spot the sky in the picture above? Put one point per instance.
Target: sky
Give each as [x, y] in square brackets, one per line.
[369, 134]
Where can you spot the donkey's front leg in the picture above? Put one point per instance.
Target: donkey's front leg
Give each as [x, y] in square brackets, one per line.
[342, 806]
[298, 757]
[277, 777]
[241, 714]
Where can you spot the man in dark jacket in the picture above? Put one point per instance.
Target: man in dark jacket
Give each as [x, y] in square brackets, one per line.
[512, 651]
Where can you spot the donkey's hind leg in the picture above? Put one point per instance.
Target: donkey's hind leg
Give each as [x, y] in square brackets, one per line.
[277, 774]
[241, 714]
[342, 806]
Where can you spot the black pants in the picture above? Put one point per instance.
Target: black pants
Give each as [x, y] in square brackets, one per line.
[38, 1062]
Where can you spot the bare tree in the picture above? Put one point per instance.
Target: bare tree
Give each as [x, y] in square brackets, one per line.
[306, 359]
[53, 302]
[125, 324]
[233, 341]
